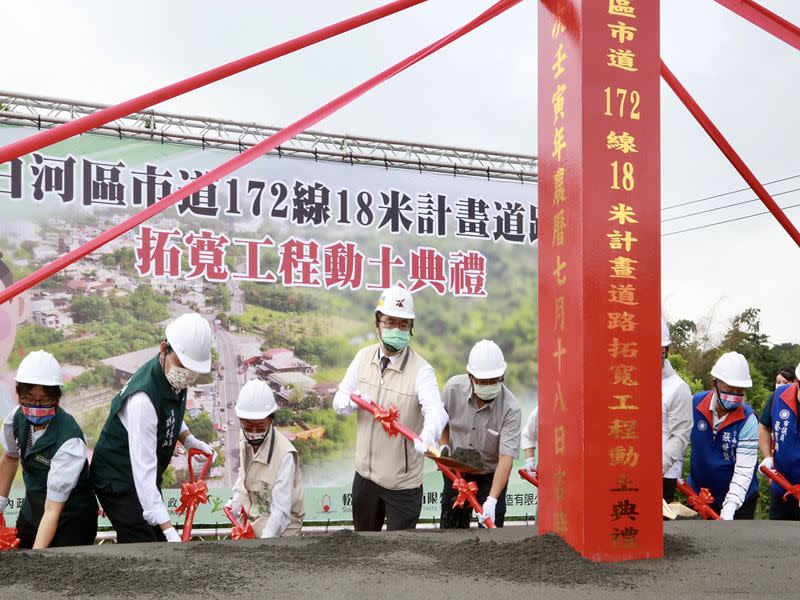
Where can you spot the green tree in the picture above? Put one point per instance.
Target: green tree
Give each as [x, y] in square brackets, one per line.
[87, 308]
[202, 427]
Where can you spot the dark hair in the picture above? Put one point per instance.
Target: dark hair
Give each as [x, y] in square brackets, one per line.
[5, 273]
[53, 392]
[787, 373]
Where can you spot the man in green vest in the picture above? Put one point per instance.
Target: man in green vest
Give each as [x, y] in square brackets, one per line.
[387, 485]
[269, 488]
[59, 508]
[143, 426]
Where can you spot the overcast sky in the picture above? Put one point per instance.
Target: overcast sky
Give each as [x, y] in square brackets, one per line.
[480, 92]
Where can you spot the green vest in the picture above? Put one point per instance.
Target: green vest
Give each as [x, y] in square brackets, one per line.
[111, 462]
[36, 466]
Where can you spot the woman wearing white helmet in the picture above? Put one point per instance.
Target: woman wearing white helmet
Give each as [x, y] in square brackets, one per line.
[269, 488]
[144, 424]
[387, 485]
[725, 440]
[59, 508]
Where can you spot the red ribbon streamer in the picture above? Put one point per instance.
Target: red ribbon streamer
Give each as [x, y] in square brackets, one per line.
[388, 419]
[249, 155]
[765, 19]
[129, 107]
[716, 135]
[8, 536]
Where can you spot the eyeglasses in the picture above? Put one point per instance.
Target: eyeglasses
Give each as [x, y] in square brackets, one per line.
[31, 400]
[403, 325]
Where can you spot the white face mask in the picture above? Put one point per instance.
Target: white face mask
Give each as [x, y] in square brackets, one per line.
[487, 393]
[180, 378]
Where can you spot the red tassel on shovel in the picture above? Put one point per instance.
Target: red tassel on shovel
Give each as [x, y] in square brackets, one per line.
[8, 536]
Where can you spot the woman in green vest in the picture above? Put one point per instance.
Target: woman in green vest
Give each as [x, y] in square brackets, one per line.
[59, 508]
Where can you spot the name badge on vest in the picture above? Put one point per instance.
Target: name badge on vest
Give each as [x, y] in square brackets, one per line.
[41, 459]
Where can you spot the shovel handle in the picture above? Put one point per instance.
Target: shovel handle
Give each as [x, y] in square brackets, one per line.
[534, 479]
[206, 466]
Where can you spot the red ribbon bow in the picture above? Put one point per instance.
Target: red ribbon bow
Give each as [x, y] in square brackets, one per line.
[387, 419]
[465, 489]
[240, 531]
[193, 494]
[8, 536]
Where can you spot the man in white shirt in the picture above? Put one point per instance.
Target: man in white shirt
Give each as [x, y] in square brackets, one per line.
[676, 419]
[144, 424]
[387, 485]
[269, 488]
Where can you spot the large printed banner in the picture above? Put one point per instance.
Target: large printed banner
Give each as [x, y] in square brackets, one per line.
[286, 258]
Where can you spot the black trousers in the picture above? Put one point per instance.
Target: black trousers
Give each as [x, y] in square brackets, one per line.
[373, 504]
[125, 513]
[783, 511]
[459, 518]
[78, 530]
[668, 487]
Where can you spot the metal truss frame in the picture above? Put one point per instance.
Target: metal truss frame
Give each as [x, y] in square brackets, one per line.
[164, 127]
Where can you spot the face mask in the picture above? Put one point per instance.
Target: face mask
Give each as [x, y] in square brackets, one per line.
[729, 400]
[395, 339]
[38, 415]
[180, 377]
[487, 393]
[255, 439]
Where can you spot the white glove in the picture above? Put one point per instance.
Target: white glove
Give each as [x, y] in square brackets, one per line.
[235, 505]
[424, 441]
[192, 443]
[3, 504]
[530, 465]
[768, 462]
[727, 512]
[172, 535]
[488, 510]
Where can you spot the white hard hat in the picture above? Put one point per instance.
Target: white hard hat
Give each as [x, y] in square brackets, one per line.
[396, 302]
[731, 368]
[665, 341]
[486, 360]
[256, 401]
[190, 338]
[39, 368]
[797, 371]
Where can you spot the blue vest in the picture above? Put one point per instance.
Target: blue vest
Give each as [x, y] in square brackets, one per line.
[786, 445]
[714, 455]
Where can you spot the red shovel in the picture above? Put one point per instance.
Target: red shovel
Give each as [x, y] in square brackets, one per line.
[534, 479]
[8, 536]
[388, 420]
[193, 493]
[777, 477]
[700, 502]
[240, 531]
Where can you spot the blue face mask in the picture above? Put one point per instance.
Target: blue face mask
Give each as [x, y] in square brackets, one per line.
[38, 415]
[730, 400]
[395, 339]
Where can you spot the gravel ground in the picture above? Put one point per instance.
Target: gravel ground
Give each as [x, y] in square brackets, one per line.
[703, 560]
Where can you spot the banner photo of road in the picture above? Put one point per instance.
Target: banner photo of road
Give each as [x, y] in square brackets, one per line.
[286, 259]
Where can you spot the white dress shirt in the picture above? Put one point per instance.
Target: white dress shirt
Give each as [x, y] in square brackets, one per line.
[138, 417]
[426, 388]
[530, 433]
[280, 510]
[65, 466]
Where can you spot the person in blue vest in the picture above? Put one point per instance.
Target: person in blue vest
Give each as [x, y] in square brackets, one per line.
[725, 440]
[59, 508]
[144, 424]
[780, 445]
